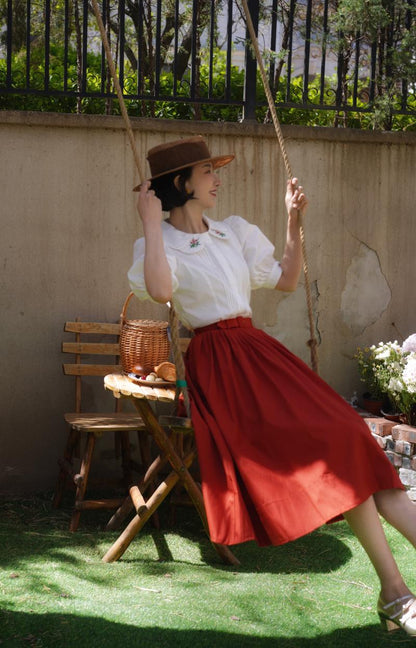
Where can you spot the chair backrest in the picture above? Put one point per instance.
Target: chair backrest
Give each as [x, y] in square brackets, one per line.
[93, 340]
[105, 336]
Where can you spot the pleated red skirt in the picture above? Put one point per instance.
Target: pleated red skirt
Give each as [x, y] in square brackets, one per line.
[280, 452]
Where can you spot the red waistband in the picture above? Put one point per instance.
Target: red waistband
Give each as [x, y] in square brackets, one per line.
[234, 322]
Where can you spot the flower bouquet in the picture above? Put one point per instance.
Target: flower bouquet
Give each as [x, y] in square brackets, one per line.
[390, 370]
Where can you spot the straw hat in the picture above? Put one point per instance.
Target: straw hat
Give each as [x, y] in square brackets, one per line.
[177, 155]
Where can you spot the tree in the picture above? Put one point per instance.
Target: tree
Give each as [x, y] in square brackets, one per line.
[385, 31]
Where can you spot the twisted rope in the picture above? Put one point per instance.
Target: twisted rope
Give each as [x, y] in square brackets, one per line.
[173, 319]
[117, 87]
[312, 343]
[181, 385]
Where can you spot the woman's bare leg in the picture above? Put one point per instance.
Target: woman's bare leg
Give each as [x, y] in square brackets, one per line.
[366, 525]
[399, 511]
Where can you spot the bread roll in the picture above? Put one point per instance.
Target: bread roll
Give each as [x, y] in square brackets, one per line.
[166, 371]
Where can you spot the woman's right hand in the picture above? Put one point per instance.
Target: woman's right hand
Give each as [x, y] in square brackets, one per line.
[149, 205]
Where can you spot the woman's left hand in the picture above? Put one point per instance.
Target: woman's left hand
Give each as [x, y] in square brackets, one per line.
[295, 199]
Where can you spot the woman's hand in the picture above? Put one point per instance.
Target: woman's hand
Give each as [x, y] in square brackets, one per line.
[295, 199]
[148, 205]
[291, 262]
[157, 274]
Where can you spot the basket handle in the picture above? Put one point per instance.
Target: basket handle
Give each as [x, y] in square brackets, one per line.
[123, 312]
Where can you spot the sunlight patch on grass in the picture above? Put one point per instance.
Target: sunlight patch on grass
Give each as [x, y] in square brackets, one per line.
[170, 589]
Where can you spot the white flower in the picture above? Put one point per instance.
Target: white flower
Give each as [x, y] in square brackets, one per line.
[384, 351]
[409, 374]
[409, 344]
[395, 385]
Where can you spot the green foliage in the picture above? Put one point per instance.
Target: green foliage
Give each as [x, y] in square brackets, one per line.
[179, 107]
[367, 366]
[365, 16]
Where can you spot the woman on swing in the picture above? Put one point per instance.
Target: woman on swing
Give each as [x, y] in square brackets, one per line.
[249, 395]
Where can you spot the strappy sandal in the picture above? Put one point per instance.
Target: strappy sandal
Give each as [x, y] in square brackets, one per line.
[400, 613]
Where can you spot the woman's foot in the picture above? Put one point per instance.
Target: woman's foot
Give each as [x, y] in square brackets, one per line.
[400, 613]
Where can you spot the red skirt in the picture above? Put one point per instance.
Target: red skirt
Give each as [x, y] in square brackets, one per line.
[280, 452]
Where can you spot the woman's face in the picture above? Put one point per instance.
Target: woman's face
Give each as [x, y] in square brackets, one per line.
[204, 182]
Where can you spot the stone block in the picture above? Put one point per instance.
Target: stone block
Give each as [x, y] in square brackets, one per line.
[402, 432]
[379, 425]
[407, 477]
[390, 443]
[406, 462]
[412, 494]
[395, 458]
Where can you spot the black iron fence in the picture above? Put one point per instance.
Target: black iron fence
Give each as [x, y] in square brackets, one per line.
[327, 61]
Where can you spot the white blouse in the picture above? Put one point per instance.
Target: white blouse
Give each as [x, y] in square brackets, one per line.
[214, 272]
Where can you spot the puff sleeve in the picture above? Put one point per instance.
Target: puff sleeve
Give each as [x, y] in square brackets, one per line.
[136, 273]
[258, 253]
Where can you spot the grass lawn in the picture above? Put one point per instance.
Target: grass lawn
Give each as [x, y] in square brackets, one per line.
[170, 590]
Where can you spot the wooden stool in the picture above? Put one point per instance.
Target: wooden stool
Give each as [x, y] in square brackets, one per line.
[175, 439]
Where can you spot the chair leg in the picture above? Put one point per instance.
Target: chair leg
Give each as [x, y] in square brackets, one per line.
[124, 440]
[66, 467]
[146, 459]
[82, 480]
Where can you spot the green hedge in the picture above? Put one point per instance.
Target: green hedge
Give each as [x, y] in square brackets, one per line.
[376, 117]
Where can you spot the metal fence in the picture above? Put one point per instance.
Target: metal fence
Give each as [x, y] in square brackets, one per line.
[192, 58]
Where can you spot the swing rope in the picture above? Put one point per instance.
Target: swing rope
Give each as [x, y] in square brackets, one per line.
[181, 385]
[180, 367]
[312, 343]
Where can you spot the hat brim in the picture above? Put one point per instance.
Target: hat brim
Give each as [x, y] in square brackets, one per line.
[217, 162]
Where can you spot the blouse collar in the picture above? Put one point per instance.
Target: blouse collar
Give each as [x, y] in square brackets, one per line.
[191, 242]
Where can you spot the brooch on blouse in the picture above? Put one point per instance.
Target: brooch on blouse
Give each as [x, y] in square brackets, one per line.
[194, 242]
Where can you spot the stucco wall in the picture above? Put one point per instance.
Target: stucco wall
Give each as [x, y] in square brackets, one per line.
[69, 222]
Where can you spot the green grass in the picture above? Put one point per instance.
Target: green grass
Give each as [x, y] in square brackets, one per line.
[170, 590]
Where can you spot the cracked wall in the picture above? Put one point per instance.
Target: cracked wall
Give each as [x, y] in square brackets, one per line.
[69, 222]
[366, 293]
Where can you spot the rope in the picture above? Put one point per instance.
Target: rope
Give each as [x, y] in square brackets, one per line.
[178, 359]
[117, 87]
[312, 343]
[174, 327]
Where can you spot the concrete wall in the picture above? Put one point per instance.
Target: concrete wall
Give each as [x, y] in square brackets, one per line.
[69, 222]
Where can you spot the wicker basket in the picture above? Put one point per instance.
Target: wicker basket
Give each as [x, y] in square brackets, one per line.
[142, 342]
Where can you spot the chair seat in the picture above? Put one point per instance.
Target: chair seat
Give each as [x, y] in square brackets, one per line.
[98, 423]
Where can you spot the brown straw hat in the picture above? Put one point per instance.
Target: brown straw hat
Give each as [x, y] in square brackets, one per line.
[177, 155]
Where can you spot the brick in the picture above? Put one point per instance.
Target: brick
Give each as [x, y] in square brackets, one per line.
[413, 463]
[404, 447]
[407, 477]
[404, 432]
[395, 458]
[406, 462]
[390, 443]
[379, 425]
[380, 440]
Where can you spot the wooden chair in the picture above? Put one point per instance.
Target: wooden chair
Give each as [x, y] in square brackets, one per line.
[86, 427]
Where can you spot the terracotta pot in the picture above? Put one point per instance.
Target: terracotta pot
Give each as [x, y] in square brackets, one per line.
[372, 406]
[392, 416]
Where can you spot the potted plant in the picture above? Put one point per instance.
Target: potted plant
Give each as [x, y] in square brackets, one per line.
[373, 396]
[390, 369]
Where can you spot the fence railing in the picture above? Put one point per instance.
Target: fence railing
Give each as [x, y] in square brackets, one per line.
[192, 58]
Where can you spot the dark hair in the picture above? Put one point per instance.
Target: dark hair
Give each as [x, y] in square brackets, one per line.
[167, 192]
